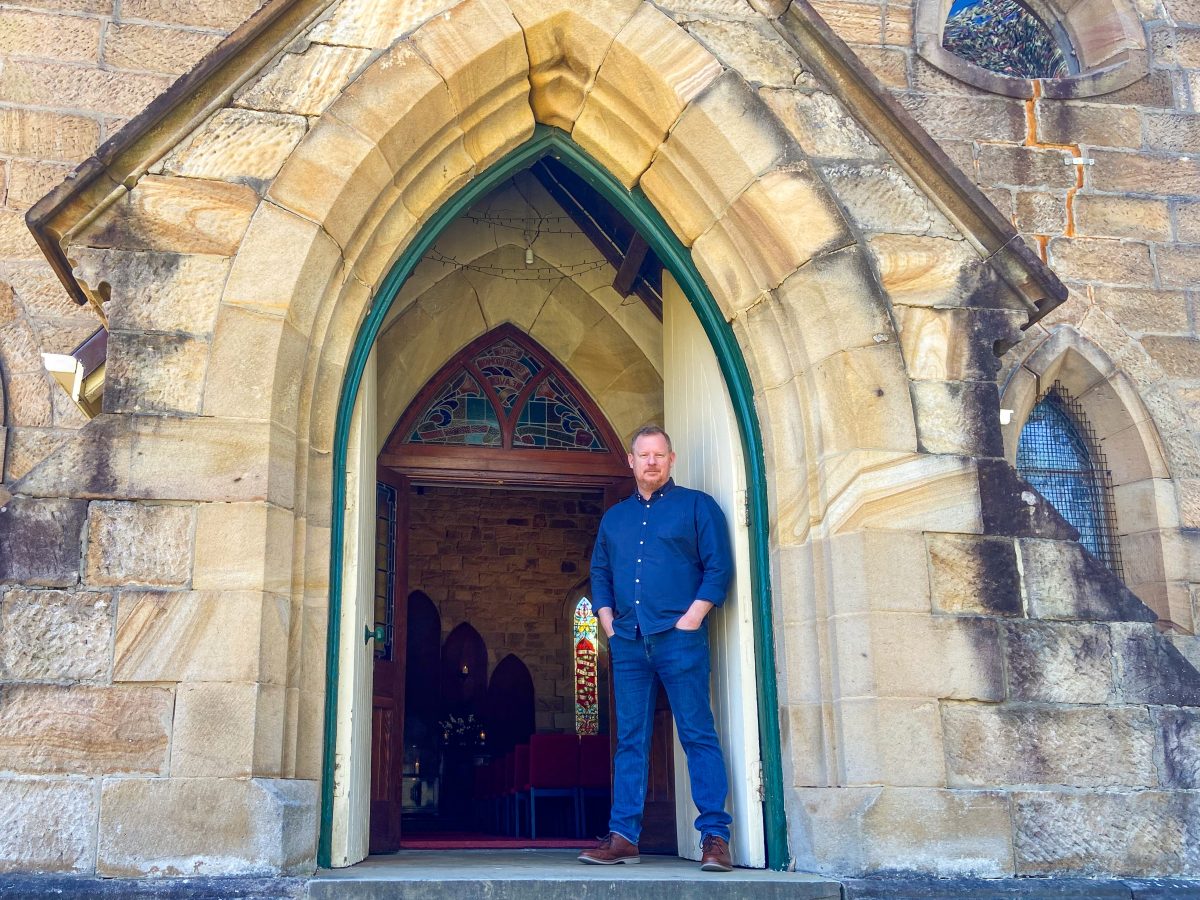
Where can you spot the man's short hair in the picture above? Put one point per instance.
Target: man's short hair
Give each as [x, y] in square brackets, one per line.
[649, 431]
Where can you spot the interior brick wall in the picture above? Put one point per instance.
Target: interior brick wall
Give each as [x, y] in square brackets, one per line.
[505, 561]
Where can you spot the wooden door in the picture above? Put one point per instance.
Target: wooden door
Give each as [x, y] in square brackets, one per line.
[699, 418]
[387, 706]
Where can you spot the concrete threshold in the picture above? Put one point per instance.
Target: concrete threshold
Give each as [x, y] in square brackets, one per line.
[553, 875]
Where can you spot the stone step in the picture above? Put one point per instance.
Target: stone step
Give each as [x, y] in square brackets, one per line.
[554, 875]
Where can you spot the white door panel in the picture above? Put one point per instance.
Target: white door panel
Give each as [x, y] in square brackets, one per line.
[699, 418]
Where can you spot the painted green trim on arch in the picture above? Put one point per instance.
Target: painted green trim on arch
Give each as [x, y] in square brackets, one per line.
[678, 260]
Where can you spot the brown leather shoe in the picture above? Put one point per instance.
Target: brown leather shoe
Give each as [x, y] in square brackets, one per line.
[611, 850]
[715, 856]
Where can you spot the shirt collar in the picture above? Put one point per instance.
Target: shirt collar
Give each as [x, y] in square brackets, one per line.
[661, 492]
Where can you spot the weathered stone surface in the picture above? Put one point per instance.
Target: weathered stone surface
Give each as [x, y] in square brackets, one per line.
[165, 826]
[1142, 173]
[200, 636]
[40, 541]
[220, 14]
[1177, 266]
[239, 145]
[50, 826]
[371, 24]
[178, 215]
[1011, 507]
[1024, 167]
[950, 832]
[1138, 833]
[1068, 123]
[566, 43]
[952, 344]
[1110, 262]
[479, 49]
[871, 383]
[1085, 747]
[1162, 312]
[894, 741]
[1122, 217]
[83, 730]
[149, 48]
[1063, 581]
[243, 546]
[779, 223]
[55, 636]
[1039, 212]
[820, 125]
[304, 83]
[154, 373]
[879, 197]
[923, 271]
[91, 89]
[134, 543]
[957, 417]
[28, 182]
[1150, 668]
[720, 145]
[45, 135]
[753, 49]
[1048, 662]
[973, 576]
[1180, 735]
[213, 733]
[652, 71]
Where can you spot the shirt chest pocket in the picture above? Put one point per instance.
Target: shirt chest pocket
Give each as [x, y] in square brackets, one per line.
[677, 535]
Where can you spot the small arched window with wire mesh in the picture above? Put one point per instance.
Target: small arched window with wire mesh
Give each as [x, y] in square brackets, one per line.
[1058, 454]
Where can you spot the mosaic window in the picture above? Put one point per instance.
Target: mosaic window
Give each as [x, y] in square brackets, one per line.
[460, 414]
[1056, 454]
[1004, 36]
[507, 396]
[587, 695]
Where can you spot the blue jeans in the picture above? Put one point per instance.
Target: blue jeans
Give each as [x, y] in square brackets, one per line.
[679, 659]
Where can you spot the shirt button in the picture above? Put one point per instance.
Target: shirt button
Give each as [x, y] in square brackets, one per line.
[641, 542]
[637, 581]
[639, 560]
[638, 602]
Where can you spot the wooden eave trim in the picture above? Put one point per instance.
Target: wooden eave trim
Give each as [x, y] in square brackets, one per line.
[117, 165]
[861, 94]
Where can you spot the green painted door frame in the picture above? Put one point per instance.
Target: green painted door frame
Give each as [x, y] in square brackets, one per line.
[678, 261]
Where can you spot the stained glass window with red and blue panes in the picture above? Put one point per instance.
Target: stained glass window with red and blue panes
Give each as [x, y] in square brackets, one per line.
[508, 367]
[553, 420]
[461, 413]
[587, 695]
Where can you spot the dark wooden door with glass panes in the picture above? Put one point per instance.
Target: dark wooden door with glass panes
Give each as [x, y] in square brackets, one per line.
[388, 627]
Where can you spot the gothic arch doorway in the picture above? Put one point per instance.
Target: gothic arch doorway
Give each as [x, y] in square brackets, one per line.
[731, 406]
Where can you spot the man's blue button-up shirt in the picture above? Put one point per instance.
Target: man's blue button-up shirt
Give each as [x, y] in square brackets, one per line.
[654, 557]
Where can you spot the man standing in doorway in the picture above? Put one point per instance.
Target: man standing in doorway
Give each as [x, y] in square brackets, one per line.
[661, 563]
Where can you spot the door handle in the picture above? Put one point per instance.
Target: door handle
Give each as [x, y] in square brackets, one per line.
[378, 634]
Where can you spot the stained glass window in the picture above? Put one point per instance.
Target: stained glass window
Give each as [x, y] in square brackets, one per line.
[507, 395]
[385, 566]
[460, 414]
[553, 420]
[587, 696]
[1056, 454]
[1004, 36]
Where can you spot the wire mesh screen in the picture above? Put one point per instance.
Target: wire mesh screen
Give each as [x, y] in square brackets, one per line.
[1058, 454]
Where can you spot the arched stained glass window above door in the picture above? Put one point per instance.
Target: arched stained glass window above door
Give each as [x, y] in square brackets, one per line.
[1057, 454]
[1006, 37]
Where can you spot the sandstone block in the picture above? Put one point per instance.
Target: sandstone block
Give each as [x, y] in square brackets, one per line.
[1144, 173]
[1179, 132]
[295, 288]
[28, 181]
[223, 14]
[29, 401]
[957, 417]
[722, 142]
[779, 223]
[873, 570]
[863, 401]
[1187, 220]
[753, 49]
[1024, 167]
[304, 83]
[165, 826]
[55, 636]
[479, 49]
[1100, 215]
[213, 733]
[950, 832]
[1069, 123]
[80, 88]
[566, 44]
[855, 23]
[1063, 581]
[804, 746]
[134, 543]
[40, 541]
[1111, 262]
[84, 730]
[973, 576]
[248, 351]
[178, 215]
[375, 25]
[820, 125]
[1040, 212]
[922, 271]
[200, 636]
[967, 118]
[1161, 312]
[49, 825]
[951, 344]
[890, 741]
[1180, 735]
[154, 373]
[47, 135]
[240, 145]
[1049, 662]
[652, 71]
[1151, 669]
[243, 546]
[1082, 747]
[148, 48]
[1131, 833]
[879, 197]
[1177, 267]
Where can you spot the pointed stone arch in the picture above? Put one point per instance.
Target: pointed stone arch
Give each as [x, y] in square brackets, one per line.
[1146, 505]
